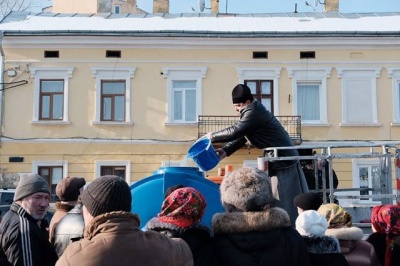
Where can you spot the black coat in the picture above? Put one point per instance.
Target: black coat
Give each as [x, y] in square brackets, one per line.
[378, 240]
[258, 238]
[396, 253]
[197, 236]
[23, 241]
[261, 128]
[324, 251]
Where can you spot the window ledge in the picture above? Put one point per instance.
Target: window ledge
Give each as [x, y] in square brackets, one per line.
[360, 125]
[185, 124]
[110, 123]
[306, 124]
[50, 123]
[395, 124]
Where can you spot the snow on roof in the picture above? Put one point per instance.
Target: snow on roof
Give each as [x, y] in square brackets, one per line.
[313, 22]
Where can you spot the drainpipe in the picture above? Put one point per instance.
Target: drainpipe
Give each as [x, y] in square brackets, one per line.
[1, 84]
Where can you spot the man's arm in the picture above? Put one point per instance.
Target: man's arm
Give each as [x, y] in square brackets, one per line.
[13, 248]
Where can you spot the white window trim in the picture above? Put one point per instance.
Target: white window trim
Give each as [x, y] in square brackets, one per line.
[356, 73]
[127, 164]
[394, 74]
[37, 164]
[39, 73]
[109, 73]
[356, 181]
[320, 75]
[183, 73]
[262, 73]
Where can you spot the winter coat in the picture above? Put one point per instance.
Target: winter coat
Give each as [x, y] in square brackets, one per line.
[324, 251]
[23, 241]
[358, 252]
[396, 253]
[115, 238]
[261, 128]
[61, 210]
[197, 236]
[258, 238]
[69, 229]
[378, 241]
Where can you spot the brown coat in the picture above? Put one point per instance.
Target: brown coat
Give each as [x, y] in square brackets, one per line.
[115, 239]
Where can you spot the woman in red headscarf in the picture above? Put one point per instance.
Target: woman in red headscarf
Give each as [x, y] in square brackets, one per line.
[385, 221]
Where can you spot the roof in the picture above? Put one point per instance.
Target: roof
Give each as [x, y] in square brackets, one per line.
[199, 24]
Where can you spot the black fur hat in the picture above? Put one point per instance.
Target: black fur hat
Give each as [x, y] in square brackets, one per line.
[241, 93]
[246, 189]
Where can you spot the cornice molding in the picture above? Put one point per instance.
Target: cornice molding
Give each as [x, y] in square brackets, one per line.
[341, 71]
[34, 70]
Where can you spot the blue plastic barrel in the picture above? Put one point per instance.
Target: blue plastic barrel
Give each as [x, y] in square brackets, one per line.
[203, 153]
[148, 193]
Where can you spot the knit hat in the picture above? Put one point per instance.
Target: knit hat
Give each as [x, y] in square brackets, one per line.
[29, 184]
[336, 216]
[68, 188]
[183, 207]
[107, 194]
[246, 189]
[311, 223]
[308, 201]
[241, 93]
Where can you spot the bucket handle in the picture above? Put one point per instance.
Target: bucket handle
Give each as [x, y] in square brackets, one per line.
[204, 137]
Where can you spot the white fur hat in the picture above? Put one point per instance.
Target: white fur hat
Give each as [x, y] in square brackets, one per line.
[311, 223]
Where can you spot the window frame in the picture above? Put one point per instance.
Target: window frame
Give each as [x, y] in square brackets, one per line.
[367, 74]
[113, 104]
[356, 164]
[127, 164]
[108, 73]
[394, 74]
[263, 73]
[259, 95]
[183, 74]
[311, 75]
[51, 103]
[53, 73]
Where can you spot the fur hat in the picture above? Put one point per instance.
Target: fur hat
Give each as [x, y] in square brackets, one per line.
[107, 194]
[308, 201]
[241, 93]
[68, 188]
[311, 223]
[30, 184]
[336, 216]
[183, 207]
[246, 189]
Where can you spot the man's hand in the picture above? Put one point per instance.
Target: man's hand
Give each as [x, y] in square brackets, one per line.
[208, 135]
[221, 153]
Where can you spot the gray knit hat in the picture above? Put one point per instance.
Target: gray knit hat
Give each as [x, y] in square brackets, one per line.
[107, 194]
[246, 189]
[29, 184]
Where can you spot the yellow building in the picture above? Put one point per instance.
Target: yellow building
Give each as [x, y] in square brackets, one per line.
[91, 94]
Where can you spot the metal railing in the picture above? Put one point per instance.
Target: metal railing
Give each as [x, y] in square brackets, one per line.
[212, 123]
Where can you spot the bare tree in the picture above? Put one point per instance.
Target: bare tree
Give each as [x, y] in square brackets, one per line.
[6, 6]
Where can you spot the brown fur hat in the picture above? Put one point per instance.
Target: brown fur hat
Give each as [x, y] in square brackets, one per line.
[246, 189]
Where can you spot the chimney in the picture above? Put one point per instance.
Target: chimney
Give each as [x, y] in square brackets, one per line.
[160, 6]
[331, 6]
[215, 6]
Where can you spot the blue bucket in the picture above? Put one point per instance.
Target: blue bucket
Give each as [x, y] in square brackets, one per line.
[203, 154]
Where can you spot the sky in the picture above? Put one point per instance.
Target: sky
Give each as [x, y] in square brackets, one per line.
[269, 6]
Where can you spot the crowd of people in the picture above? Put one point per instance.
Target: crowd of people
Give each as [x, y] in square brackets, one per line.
[94, 225]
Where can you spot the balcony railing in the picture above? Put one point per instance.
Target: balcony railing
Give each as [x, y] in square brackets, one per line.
[212, 123]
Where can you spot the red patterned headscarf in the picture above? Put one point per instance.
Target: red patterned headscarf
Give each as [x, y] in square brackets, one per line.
[386, 220]
[183, 207]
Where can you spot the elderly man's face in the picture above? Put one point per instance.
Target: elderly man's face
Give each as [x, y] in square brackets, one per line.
[36, 204]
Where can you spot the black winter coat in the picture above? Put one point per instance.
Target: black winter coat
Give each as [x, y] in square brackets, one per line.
[261, 128]
[258, 238]
[324, 251]
[23, 241]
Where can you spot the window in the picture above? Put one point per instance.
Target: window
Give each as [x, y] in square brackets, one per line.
[264, 82]
[359, 96]
[51, 94]
[118, 168]
[262, 90]
[112, 100]
[367, 175]
[113, 95]
[184, 86]
[310, 94]
[117, 9]
[51, 99]
[394, 73]
[53, 172]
